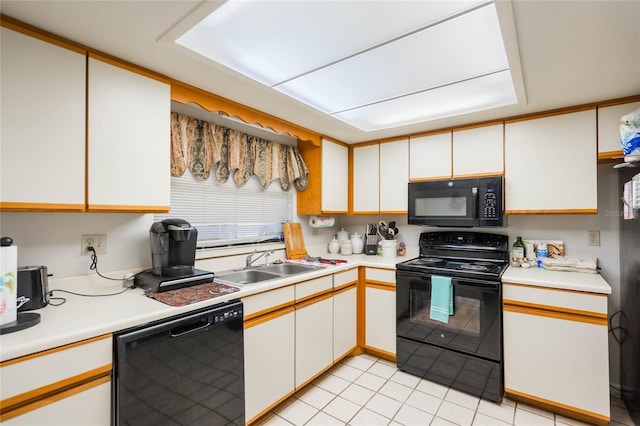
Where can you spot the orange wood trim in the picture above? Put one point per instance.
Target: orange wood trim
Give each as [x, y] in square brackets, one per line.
[381, 269]
[619, 101]
[560, 211]
[368, 143]
[394, 139]
[451, 153]
[109, 208]
[267, 317]
[86, 132]
[328, 139]
[269, 311]
[479, 125]
[412, 180]
[10, 206]
[184, 93]
[478, 175]
[36, 398]
[563, 290]
[270, 408]
[366, 213]
[429, 133]
[309, 201]
[394, 212]
[31, 31]
[380, 353]
[351, 352]
[610, 155]
[559, 408]
[361, 305]
[314, 298]
[54, 350]
[380, 285]
[554, 312]
[551, 113]
[329, 212]
[315, 376]
[345, 287]
[350, 182]
[569, 311]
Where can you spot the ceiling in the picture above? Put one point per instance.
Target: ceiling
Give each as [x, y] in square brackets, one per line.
[570, 53]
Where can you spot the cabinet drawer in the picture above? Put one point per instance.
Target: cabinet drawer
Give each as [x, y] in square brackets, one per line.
[381, 275]
[55, 365]
[312, 287]
[268, 301]
[557, 299]
[346, 277]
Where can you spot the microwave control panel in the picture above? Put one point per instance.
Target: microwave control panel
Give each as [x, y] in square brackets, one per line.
[490, 204]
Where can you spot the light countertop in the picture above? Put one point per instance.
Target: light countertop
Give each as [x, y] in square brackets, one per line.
[579, 281]
[82, 318]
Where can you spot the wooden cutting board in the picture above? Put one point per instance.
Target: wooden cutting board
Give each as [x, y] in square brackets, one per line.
[293, 240]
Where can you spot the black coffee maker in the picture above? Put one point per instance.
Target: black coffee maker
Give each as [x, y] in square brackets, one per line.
[173, 247]
[173, 254]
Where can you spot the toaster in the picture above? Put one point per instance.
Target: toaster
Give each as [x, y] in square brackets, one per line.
[33, 284]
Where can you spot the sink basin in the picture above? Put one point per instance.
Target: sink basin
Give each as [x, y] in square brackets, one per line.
[289, 268]
[248, 276]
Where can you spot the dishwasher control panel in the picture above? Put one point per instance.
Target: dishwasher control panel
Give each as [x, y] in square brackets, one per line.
[227, 315]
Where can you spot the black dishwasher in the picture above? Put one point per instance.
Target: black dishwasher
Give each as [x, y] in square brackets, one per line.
[183, 370]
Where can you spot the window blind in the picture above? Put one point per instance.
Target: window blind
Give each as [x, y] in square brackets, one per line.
[226, 214]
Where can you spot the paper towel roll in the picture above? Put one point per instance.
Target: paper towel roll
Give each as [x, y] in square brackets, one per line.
[8, 284]
[321, 221]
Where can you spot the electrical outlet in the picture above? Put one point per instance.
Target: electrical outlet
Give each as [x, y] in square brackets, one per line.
[97, 241]
[594, 238]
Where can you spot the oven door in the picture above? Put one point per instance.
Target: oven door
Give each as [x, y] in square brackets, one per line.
[474, 328]
[433, 204]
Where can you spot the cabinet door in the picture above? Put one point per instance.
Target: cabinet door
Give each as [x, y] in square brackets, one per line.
[268, 362]
[129, 121]
[570, 360]
[366, 179]
[394, 177]
[380, 319]
[551, 164]
[430, 157]
[89, 407]
[314, 338]
[43, 125]
[335, 181]
[478, 151]
[344, 322]
[609, 129]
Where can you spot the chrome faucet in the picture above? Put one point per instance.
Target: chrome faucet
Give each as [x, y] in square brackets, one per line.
[250, 258]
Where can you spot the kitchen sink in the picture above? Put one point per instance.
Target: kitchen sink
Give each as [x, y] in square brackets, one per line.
[247, 276]
[289, 268]
[257, 274]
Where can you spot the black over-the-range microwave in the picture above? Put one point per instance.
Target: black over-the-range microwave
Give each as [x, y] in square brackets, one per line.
[467, 203]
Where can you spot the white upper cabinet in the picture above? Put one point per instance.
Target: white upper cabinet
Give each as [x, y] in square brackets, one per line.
[335, 177]
[609, 129]
[551, 164]
[129, 119]
[394, 176]
[478, 151]
[43, 125]
[366, 179]
[430, 157]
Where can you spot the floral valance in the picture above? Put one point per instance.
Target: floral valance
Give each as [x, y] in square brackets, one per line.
[202, 146]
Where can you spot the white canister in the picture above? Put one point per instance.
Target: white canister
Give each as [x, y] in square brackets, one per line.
[389, 248]
[357, 243]
[334, 246]
[343, 235]
[346, 248]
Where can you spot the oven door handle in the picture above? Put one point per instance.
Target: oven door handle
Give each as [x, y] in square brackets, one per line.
[471, 282]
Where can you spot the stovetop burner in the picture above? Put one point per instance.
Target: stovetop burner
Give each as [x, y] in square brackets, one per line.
[464, 254]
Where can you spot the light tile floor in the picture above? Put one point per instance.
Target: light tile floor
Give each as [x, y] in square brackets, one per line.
[364, 390]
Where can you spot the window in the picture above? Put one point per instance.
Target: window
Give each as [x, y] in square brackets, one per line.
[226, 214]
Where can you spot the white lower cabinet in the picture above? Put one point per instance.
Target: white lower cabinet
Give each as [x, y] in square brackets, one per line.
[556, 352]
[344, 322]
[69, 385]
[269, 349]
[314, 338]
[380, 311]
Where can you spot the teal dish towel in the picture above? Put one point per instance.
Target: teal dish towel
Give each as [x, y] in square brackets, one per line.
[441, 298]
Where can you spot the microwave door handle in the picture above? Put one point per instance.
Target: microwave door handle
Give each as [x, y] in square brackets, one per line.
[475, 207]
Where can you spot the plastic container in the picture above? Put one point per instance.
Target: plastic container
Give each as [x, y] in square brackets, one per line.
[542, 252]
[388, 248]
